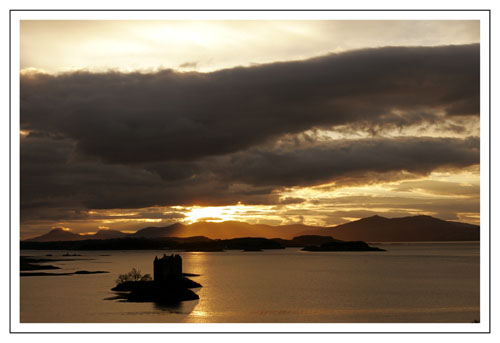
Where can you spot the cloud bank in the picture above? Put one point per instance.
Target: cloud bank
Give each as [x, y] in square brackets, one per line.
[135, 118]
[134, 140]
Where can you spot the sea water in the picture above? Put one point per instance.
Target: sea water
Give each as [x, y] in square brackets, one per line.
[410, 283]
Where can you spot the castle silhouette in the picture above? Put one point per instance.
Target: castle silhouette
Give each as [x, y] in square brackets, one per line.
[168, 269]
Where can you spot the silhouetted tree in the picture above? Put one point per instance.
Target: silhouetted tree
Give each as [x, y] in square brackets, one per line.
[133, 275]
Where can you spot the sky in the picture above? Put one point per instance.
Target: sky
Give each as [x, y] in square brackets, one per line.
[128, 124]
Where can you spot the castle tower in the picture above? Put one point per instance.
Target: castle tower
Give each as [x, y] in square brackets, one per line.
[168, 269]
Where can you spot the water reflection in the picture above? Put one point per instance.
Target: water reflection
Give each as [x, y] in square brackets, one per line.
[200, 263]
[185, 307]
[199, 314]
[410, 283]
[195, 263]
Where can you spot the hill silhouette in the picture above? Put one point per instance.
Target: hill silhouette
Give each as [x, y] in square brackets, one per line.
[157, 232]
[56, 235]
[406, 229]
[108, 234]
[235, 229]
[371, 229]
[60, 235]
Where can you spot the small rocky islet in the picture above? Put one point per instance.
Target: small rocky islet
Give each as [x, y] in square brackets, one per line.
[169, 285]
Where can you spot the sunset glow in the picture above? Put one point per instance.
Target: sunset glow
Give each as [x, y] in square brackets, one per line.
[212, 214]
[159, 122]
[177, 168]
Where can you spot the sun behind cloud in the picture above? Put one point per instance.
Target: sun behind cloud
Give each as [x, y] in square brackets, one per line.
[125, 124]
[212, 213]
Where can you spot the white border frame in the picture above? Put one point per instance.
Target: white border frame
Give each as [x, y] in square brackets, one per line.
[484, 18]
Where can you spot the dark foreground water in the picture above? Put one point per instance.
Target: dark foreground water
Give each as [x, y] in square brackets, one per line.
[431, 282]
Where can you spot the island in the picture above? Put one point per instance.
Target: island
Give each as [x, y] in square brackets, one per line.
[30, 265]
[337, 245]
[169, 285]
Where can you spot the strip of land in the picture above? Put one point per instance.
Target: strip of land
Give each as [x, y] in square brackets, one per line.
[62, 274]
[199, 243]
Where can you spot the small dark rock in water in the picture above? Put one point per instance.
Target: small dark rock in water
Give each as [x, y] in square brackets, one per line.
[342, 246]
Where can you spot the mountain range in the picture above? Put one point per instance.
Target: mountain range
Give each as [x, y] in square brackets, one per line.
[371, 229]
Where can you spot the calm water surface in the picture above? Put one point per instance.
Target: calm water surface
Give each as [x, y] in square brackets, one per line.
[420, 282]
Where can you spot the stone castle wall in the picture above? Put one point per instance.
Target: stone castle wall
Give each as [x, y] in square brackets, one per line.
[168, 269]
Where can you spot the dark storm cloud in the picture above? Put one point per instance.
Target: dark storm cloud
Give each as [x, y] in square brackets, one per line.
[56, 183]
[345, 159]
[53, 175]
[170, 116]
[114, 140]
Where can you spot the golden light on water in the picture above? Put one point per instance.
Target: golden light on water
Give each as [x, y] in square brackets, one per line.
[198, 313]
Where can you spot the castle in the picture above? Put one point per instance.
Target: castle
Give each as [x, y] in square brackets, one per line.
[168, 269]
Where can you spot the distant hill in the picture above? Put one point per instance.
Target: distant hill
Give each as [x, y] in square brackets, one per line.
[60, 235]
[57, 235]
[224, 230]
[234, 229]
[371, 229]
[107, 234]
[156, 232]
[406, 229]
